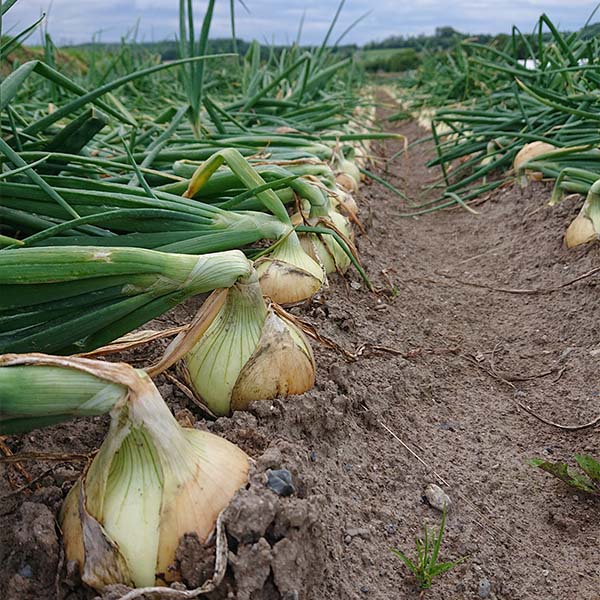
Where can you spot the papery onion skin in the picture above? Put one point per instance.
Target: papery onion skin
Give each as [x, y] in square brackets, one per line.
[325, 248]
[580, 231]
[283, 364]
[346, 182]
[285, 283]
[586, 225]
[288, 274]
[530, 151]
[216, 360]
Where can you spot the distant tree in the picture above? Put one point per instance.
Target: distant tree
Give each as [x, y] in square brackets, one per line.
[445, 32]
[406, 59]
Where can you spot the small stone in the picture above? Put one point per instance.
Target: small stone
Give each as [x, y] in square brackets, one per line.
[26, 571]
[364, 589]
[446, 426]
[391, 528]
[362, 532]
[485, 587]
[280, 481]
[312, 456]
[355, 285]
[347, 539]
[437, 498]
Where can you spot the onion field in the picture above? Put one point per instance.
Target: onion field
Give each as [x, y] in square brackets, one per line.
[275, 326]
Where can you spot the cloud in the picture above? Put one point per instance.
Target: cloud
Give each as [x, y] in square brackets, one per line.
[70, 21]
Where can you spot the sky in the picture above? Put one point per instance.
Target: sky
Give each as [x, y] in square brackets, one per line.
[76, 21]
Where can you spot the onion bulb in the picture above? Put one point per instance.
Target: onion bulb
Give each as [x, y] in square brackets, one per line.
[324, 248]
[586, 225]
[530, 152]
[239, 350]
[288, 274]
[151, 482]
[347, 176]
[345, 201]
[361, 156]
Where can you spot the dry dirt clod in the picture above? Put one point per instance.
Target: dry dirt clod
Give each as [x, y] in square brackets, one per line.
[437, 498]
[287, 568]
[196, 561]
[249, 515]
[270, 459]
[36, 537]
[339, 374]
[251, 567]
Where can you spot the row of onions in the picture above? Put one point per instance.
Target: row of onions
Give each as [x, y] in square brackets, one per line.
[124, 195]
[528, 108]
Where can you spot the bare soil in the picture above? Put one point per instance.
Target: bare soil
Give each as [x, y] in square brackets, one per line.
[445, 407]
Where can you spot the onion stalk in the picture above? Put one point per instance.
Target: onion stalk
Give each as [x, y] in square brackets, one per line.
[75, 299]
[38, 395]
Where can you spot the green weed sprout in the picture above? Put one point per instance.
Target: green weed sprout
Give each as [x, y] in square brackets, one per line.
[426, 565]
[588, 482]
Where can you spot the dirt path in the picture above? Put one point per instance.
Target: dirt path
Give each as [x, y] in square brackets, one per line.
[469, 355]
[525, 534]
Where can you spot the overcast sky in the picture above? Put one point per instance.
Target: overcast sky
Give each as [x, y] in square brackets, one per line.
[75, 21]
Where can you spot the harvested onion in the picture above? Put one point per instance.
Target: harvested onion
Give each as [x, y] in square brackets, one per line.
[288, 274]
[324, 248]
[239, 350]
[526, 154]
[151, 482]
[586, 225]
